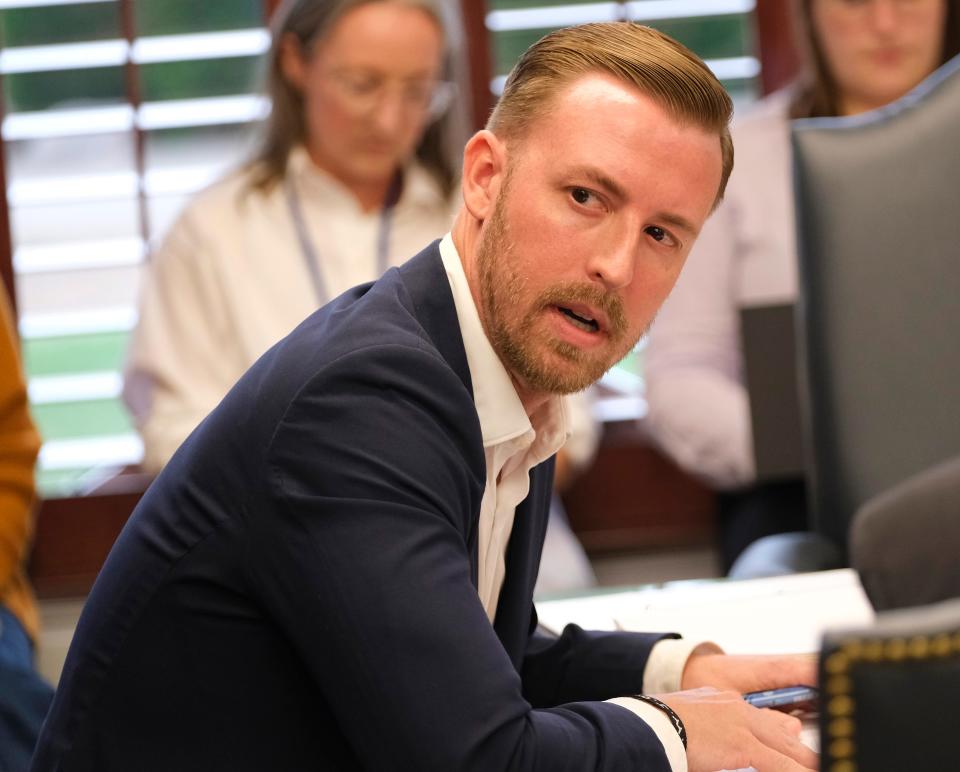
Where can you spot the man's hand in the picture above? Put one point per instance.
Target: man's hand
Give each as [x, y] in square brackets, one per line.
[724, 732]
[746, 673]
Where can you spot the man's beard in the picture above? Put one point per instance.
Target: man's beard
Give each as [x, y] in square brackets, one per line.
[510, 327]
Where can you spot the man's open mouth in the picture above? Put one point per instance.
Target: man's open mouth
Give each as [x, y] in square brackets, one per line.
[583, 322]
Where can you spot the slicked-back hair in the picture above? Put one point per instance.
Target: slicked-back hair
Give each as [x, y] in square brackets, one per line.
[658, 66]
[817, 94]
[309, 21]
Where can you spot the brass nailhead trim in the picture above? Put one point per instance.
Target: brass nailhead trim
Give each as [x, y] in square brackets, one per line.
[841, 730]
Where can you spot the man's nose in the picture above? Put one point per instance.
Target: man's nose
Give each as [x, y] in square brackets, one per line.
[615, 264]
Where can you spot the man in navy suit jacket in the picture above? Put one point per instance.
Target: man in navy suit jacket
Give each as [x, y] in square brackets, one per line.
[336, 569]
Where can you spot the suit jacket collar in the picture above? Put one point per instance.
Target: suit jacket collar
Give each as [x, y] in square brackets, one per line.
[426, 282]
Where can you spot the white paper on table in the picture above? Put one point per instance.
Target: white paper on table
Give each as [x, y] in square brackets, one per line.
[779, 615]
[783, 614]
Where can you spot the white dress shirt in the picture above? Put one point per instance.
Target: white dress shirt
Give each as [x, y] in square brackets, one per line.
[513, 444]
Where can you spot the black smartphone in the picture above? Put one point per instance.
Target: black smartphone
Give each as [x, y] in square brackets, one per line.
[799, 701]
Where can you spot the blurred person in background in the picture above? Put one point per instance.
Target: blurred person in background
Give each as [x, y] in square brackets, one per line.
[353, 175]
[24, 696]
[860, 55]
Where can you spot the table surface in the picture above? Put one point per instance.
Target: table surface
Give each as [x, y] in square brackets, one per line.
[778, 615]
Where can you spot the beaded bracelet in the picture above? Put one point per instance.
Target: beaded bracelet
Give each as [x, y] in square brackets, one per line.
[674, 718]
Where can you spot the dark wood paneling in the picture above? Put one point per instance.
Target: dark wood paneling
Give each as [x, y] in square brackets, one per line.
[779, 58]
[634, 498]
[73, 535]
[474, 13]
[270, 6]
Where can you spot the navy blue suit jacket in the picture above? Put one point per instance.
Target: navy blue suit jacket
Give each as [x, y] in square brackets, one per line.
[297, 589]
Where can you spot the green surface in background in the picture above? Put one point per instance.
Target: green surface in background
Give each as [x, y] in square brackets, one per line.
[191, 79]
[59, 483]
[84, 86]
[73, 420]
[47, 25]
[502, 5]
[74, 353]
[180, 17]
[711, 37]
[194, 79]
[63, 89]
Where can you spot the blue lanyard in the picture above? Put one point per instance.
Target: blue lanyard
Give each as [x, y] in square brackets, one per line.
[309, 250]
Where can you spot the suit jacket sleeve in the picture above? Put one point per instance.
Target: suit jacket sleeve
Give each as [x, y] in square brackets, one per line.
[375, 479]
[586, 665]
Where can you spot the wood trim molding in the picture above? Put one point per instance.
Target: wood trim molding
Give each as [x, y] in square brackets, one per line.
[474, 15]
[269, 8]
[635, 498]
[777, 44]
[73, 537]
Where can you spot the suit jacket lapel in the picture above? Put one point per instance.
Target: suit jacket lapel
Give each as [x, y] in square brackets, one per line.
[515, 606]
[426, 281]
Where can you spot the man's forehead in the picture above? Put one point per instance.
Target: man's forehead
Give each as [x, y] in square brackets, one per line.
[595, 90]
[596, 118]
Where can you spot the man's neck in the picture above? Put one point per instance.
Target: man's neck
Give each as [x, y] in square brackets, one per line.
[532, 401]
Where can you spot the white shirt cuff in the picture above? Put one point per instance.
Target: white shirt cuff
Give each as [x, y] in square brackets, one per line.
[662, 726]
[667, 660]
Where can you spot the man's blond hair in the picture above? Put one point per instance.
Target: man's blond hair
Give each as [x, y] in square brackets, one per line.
[660, 67]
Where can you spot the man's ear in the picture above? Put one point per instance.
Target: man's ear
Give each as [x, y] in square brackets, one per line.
[292, 61]
[484, 167]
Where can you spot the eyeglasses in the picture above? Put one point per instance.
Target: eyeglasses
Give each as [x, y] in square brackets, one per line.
[364, 92]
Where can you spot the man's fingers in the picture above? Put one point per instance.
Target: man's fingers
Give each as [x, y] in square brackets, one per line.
[790, 723]
[776, 672]
[769, 760]
[781, 733]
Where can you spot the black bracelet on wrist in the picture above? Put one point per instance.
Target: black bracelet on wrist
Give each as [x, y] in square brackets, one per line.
[671, 714]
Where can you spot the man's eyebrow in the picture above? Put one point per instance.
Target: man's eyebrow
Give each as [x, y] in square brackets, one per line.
[678, 221]
[617, 190]
[601, 180]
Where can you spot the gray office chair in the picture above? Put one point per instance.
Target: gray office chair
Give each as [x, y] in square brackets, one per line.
[905, 543]
[878, 220]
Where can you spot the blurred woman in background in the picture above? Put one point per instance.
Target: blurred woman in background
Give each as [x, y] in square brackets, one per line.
[352, 176]
[860, 55]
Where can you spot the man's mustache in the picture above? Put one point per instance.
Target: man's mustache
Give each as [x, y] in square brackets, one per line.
[609, 303]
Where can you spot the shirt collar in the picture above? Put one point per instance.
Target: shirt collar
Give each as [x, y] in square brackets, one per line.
[501, 413]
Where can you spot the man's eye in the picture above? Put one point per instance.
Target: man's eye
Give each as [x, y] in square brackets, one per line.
[581, 195]
[657, 233]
